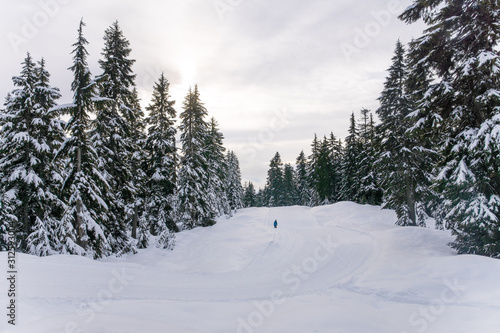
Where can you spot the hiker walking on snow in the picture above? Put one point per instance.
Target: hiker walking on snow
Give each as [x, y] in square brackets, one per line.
[275, 224]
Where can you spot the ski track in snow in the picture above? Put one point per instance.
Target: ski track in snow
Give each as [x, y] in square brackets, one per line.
[337, 268]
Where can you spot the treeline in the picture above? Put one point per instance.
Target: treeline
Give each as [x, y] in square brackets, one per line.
[333, 171]
[436, 149]
[107, 180]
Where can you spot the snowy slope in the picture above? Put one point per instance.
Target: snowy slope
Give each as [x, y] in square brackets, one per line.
[338, 268]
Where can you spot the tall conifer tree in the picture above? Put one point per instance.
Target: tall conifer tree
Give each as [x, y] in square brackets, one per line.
[161, 160]
[461, 48]
[194, 203]
[112, 134]
[31, 134]
[82, 229]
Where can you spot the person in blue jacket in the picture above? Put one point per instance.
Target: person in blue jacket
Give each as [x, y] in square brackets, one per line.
[275, 223]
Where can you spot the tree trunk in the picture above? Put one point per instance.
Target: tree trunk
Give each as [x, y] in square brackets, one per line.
[134, 223]
[410, 201]
[79, 205]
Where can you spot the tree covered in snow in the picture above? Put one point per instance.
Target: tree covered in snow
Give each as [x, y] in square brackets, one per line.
[312, 176]
[161, 160]
[274, 182]
[369, 188]
[460, 50]
[290, 194]
[401, 162]
[349, 189]
[217, 170]
[83, 226]
[233, 187]
[303, 187]
[193, 179]
[249, 195]
[112, 133]
[31, 133]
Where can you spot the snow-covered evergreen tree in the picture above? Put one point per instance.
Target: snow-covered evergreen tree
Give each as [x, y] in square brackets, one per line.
[193, 200]
[369, 190]
[233, 187]
[113, 134]
[217, 170]
[312, 176]
[303, 188]
[274, 182]
[460, 47]
[325, 174]
[249, 195]
[82, 228]
[31, 134]
[290, 192]
[402, 173]
[349, 190]
[161, 159]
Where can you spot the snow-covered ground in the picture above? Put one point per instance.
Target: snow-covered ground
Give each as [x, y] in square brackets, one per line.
[338, 268]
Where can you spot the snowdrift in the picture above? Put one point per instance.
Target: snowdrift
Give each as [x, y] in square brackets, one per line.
[338, 268]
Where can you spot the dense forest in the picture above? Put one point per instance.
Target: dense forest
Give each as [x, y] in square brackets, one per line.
[109, 179]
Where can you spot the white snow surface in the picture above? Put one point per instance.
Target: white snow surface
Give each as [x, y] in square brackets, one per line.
[337, 268]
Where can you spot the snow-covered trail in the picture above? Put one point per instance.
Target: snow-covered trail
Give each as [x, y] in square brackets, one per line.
[338, 268]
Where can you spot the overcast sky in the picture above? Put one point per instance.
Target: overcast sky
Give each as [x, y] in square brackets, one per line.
[272, 72]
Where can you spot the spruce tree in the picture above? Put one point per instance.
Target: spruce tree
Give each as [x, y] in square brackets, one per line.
[217, 170]
[31, 134]
[349, 190]
[325, 174]
[400, 164]
[249, 195]
[290, 192]
[336, 151]
[234, 189]
[303, 188]
[83, 226]
[193, 200]
[274, 183]
[460, 47]
[161, 161]
[369, 190]
[312, 176]
[113, 134]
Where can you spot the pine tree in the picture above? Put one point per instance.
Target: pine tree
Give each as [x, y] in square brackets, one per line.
[349, 190]
[136, 204]
[31, 133]
[217, 170]
[274, 183]
[249, 196]
[400, 163]
[234, 189]
[369, 190]
[161, 160]
[113, 134]
[336, 155]
[82, 228]
[312, 176]
[303, 188]
[193, 201]
[461, 48]
[290, 192]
